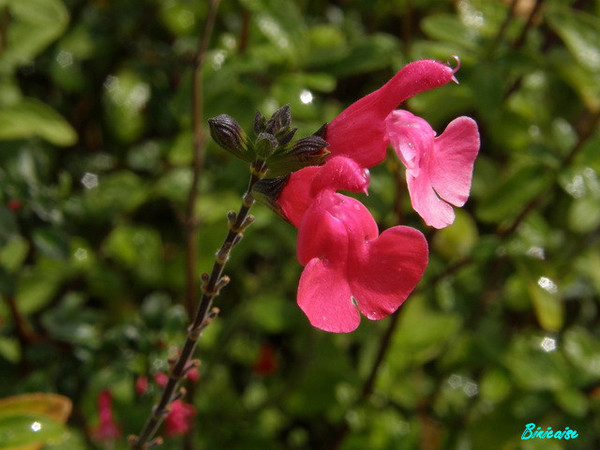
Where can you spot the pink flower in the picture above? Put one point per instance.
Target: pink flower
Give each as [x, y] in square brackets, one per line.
[161, 379]
[305, 184]
[141, 384]
[362, 132]
[179, 420]
[107, 429]
[438, 169]
[350, 268]
[359, 131]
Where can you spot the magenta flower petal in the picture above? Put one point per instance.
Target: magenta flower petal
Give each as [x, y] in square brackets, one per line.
[340, 173]
[434, 211]
[325, 297]
[305, 184]
[348, 265]
[455, 152]
[321, 235]
[438, 169]
[295, 197]
[393, 265]
[359, 132]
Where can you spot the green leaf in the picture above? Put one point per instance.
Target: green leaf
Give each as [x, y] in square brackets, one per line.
[509, 197]
[33, 418]
[51, 242]
[126, 95]
[282, 23]
[13, 253]
[580, 32]
[448, 28]
[582, 348]
[21, 429]
[34, 25]
[547, 304]
[37, 285]
[370, 53]
[30, 117]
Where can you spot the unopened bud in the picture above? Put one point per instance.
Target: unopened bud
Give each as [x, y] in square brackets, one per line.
[309, 151]
[304, 149]
[229, 134]
[267, 191]
[281, 119]
[265, 145]
[260, 123]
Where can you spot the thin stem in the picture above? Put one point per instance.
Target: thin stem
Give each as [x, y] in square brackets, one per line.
[205, 313]
[191, 221]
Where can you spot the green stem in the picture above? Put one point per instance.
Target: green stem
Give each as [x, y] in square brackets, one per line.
[211, 285]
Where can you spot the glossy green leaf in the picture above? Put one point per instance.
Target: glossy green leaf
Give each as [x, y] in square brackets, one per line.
[13, 253]
[583, 350]
[51, 242]
[512, 194]
[35, 24]
[581, 33]
[30, 117]
[17, 430]
[448, 28]
[126, 95]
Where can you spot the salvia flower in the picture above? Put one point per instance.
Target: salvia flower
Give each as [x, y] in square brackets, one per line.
[349, 267]
[439, 170]
[179, 420]
[107, 429]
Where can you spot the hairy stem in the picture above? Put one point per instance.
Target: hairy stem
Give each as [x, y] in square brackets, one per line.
[211, 285]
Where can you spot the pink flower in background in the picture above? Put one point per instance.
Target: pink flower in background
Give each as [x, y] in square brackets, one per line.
[161, 379]
[350, 268]
[107, 429]
[141, 385]
[438, 169]
[179, 420]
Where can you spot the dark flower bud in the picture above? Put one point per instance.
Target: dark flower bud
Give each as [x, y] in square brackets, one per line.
[287, 136]
[309, 151]
[322, 132]
[307, 147]
[229, 134]
[281, 119]
[260, 123]
[267, 191]
[265, 145]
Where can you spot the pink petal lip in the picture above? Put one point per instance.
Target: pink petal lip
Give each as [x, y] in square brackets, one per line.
[439, 169]
[349, 267]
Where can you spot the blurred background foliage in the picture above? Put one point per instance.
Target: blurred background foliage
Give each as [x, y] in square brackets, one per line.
[95, 171]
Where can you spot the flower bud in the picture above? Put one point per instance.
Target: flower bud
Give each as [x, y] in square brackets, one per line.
[309, 151]
[280, 120]
[265, 145]
[229, 134]
[267, 191]
[260, 123]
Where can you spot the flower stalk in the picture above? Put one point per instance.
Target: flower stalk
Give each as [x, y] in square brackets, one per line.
[211, 286]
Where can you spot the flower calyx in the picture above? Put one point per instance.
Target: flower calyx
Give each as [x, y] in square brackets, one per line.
[272, 147]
